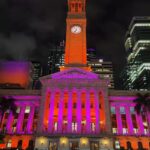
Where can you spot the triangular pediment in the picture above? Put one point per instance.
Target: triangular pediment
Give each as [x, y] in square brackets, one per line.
[74, 73]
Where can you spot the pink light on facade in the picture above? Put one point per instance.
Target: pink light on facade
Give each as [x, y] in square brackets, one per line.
[74, 73]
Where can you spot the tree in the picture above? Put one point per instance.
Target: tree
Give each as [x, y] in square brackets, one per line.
[142, 103]
[142, 106]
[5, 105]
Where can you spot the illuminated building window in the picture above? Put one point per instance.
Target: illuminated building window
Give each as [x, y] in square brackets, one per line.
[112, 110]
[18, 110]
[125, 130]
[9, 144]
[117, 145]
[122, 110]
[74, 126]
[27, 110]
[55, 126]
[132, 110]
[135, 130]
[93, 126]
[145, 131]
[114, 130]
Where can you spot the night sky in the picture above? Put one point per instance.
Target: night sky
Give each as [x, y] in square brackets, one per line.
[29, 27]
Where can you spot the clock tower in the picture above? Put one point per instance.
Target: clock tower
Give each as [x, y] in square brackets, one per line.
[75, 50]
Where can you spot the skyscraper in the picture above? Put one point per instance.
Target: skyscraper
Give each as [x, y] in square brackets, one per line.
[37, 73]
[137, 45]
[55, 58]
[102, 67]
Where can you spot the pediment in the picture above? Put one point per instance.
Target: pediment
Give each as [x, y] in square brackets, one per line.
[74, 73]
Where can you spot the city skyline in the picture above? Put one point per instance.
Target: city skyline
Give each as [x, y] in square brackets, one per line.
[73, 108]
[35, 25]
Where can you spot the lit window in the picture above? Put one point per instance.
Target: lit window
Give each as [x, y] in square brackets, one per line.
[125, 130]
[27, 110]
[132, 110]
[117, 145]
[135, 130]
[122, 110]
[113, 110]
[93, 126]
[114, 130]
[9, 144]
[55, 126]
[18, 110]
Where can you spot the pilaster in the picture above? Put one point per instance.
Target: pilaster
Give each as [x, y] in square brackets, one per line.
[30, 119]
[60, 112]
[79, 112]
[119, 119]
[69, 127]
[20, 119]
[88, 112]
[129, 120]
[51, 111]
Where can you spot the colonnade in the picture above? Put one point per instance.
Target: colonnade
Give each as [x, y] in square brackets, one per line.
[130, 126]
[70, 106]
[20, 120]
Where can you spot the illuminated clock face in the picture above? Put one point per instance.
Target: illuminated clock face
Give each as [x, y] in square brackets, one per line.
[76, 29]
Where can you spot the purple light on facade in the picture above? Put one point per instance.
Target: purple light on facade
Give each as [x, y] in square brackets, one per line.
[75, 73]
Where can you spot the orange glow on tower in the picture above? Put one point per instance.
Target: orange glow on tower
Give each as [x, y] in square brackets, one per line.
[75, 50]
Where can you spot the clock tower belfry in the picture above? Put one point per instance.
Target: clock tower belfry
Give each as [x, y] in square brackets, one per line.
[75, 50]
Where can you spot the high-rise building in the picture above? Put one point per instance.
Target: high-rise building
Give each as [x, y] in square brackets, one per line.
[55, 58]
[37, 73]
[100, 66]
[137, 45]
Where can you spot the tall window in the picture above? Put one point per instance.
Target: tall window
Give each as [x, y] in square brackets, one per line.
[76, 7]
[9, 144]
[74, 126]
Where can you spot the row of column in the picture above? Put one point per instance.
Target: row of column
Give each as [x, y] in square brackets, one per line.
[129, 121]
[78, 112]
[20, 120]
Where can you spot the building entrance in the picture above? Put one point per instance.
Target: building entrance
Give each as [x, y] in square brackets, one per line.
[74, 145]
[53, 146]
[94, 145]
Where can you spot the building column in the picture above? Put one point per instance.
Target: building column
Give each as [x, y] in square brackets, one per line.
[60, 112]
[51, 112]
[129, 120]
[30, 119]
[20, 119]
[88, 113]
[69, 125]
[97, 112]
[40, 125]
[140, 125]
[9, 122]
[79, 111]
[119, 120]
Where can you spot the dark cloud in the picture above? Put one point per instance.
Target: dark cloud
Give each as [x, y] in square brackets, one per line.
[17, 46]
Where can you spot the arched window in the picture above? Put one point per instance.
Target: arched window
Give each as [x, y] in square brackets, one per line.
[129, 146]
[140, 146]
[31, 144]
[19, 146]
[76, 7]
[9, 144]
